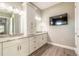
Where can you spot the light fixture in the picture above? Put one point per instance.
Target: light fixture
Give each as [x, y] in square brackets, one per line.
[21, 12]
[15, 10]
[3, 6]
[10, 8]
[58, 23]
[37, 18]
[6, 7]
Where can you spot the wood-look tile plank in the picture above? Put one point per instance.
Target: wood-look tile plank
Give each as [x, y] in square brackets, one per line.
[51, 50]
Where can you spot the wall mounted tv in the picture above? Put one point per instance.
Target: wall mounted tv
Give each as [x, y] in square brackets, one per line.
[59, 19]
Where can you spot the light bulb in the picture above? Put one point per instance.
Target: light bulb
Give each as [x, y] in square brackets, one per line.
[2, 5]
[58, 23]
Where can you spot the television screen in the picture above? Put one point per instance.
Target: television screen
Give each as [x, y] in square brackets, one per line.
[59, 19]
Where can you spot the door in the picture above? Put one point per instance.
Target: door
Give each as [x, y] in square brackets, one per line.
[24, 47]
[38, 41]
[11, 48]
[16, 48]
[44, 38]
[11, 51]
[32, 44]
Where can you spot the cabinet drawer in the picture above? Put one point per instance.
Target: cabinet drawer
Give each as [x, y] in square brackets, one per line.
[10, 43]
[32, 40]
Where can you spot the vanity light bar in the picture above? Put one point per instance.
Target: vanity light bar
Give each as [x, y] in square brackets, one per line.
[10, 8]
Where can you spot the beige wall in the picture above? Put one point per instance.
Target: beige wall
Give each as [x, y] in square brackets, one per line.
[64, 34]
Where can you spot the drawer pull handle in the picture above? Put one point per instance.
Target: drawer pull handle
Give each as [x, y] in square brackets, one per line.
[34, 41]
[18, 48]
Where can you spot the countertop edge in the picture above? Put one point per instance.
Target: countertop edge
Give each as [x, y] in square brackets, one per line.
[19, 37]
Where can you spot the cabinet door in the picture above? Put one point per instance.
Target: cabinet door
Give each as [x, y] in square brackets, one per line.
[76, 40]
[44, 39]
[32, 44]
[11, 48]
[38, 41]
[11, 51]
[0, 49]
[24, 49]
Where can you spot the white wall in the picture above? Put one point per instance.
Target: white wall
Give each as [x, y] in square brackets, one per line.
[33, 19]
[64, 34]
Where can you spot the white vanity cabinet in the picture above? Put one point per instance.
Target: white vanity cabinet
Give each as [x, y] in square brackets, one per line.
[0, 49]
[32, 44]
[11, 48]
[16, 48]
[44, 38]
[36, 42]
[24, 47]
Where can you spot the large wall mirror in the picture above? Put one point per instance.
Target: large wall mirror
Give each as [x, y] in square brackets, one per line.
[9, 19]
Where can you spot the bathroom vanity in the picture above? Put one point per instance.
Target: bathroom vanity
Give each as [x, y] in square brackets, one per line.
[21, 45]
[20, 37]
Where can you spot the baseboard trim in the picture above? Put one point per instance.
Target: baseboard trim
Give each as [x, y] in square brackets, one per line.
[63, 46]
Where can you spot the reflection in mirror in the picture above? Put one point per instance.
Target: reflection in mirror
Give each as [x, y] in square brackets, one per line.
[14, 24]
[9, 21]
[4, 22]
[9, 25]
[3, 25]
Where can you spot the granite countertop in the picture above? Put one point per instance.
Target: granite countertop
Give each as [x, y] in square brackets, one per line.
[5, 38]
[35, 34]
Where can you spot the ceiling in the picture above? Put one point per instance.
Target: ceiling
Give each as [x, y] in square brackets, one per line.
[44, 5]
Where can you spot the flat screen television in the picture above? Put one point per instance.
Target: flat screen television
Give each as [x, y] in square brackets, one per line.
[59, 19]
